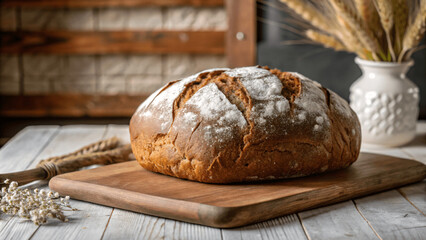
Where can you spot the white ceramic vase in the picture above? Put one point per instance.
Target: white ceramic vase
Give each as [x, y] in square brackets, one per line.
[386, 103]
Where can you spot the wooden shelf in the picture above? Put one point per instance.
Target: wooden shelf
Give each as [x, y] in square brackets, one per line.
[84, 42]
[108, 3]
[70, 105]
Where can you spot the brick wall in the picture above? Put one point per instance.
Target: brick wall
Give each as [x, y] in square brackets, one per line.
[104, 74]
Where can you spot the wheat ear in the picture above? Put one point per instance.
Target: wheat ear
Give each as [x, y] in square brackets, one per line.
[365, 11]
[326, 40]
[401, 19]
[349, 39]
[353, 20]
[414, 33]
[369, 15]
[308, 13]
[384, 8]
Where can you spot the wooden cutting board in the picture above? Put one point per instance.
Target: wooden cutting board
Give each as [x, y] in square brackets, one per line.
[129, 186]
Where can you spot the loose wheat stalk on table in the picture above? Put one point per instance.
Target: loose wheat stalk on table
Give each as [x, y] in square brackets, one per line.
[378, 30]
[103, 152]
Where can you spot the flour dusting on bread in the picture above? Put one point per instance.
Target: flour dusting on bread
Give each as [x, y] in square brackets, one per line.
[211, 103]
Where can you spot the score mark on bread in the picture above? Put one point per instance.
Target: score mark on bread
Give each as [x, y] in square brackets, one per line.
[244, 124]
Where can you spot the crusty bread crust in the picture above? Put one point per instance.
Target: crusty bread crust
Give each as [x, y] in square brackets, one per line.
[244, 124]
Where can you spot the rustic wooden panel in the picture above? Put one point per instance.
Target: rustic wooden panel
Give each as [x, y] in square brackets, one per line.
[83, 42]
[241, 34]
[108, 3]
[69, 105]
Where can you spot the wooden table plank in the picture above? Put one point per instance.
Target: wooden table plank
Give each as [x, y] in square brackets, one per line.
[90, 221]
[286, 227]
[389, 213]
[392, 216]
[90, 217]
[417, 148]
[338, 221]
[395, 152]
[250, 232]
[182, 230]
[416, 194]
[346, 228]
[22, 149]
[120, 131]
[87, 223]
[129, 225]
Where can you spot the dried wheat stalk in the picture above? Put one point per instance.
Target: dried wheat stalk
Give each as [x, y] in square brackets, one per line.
[350, 39]
[381, 30]
[309, 14]
[326, 40]
[401, 20]
[353, 20]
[384, 8]
[414, 33]
[368, 13]
[370, 17]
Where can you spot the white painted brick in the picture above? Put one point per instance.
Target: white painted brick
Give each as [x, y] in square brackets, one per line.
[9, 65]
[145, 18]
[8, 19]
[130, 18]
[130, 64]
[9, 85]
[112, 84]
[42, 19]
[51, 18]
[38, 84]
[42, 65]
[203, 62]
[112, 18]
[211, 18]
[75, 84]
[144, 84]
[178, 64]
[78, 19]
[195, 18]
[184, 64]
[80, 65]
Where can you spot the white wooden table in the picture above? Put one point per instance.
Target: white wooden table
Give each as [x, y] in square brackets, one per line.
[394, 214]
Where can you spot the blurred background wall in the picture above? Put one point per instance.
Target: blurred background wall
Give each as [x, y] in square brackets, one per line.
[104, 74]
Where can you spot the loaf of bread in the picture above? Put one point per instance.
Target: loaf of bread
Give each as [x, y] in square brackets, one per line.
[244, 124]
